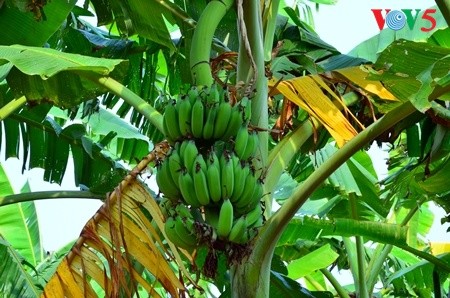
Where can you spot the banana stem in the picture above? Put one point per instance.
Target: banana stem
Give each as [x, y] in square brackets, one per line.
[12, 106]
[334, 282]
[140, 105]
[360, 251]
[270, 21]
[202, 39]
[45, 195]
[381, 253]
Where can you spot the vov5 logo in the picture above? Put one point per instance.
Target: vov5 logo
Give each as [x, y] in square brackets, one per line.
[397, 19]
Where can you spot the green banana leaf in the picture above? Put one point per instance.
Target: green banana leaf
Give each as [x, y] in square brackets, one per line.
[46, 144]
[48, 75]
[133, 17]
[418, 275]
[376, 231]
[318, 259]
[19, 27]
[283, 286]
[19, 224]
[412, 81]
[15, 281]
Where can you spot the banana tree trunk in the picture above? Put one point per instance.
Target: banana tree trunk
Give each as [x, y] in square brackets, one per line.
[251, 277]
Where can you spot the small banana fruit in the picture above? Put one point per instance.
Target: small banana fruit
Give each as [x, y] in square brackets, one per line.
[225, 222]
[222, 120]
[208, 129]
[189, 154]
[197, 118]
[238, 230]
[170, 118]
[213, 177]
[165, 182]
[240, 142]
[188, 190]
[252, 145]
[226, 175]
[184, 115]
[200, 184]
[234, 124]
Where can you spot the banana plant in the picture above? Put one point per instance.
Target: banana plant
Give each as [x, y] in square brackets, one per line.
[124, 249]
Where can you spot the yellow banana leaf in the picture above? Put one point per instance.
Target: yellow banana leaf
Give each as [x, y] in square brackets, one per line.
[117, 238]
[358, 76]
[307, 94]
[314, 95]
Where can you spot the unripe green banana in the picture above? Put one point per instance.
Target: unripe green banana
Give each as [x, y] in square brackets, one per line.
[236, 121]
[200, 184]
[165, 182]
[255, 198]
[183, 211]
[199, 159]
[175, 166]
[170, 118]
[165, 132]
[240, 143]
[185, 230]
[213, 177]
[189, 155]
[254, 215]
[184, 116]
[193, 93]
[172, 235]
[166, 205]
[213, 95]
[225, 219]
[222, 120]
[188, 190]
[182, 146]
[240, 175]
[197, 118]
[208, 129]
[252, 145]
[238, 230]
[246, 196]
[226, 175]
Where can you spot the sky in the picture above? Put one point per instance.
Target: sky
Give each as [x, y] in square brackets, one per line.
[343, 25]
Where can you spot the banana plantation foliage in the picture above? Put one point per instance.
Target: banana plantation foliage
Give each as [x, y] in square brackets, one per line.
[228, 144]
